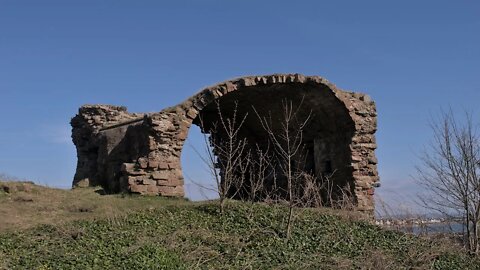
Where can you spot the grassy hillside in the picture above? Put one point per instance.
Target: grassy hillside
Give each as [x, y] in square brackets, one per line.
[129, 232]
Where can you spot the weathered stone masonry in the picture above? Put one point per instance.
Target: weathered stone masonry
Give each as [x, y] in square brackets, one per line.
[140, 153]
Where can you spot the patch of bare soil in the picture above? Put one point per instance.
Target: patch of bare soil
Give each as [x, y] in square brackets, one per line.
[24, 205]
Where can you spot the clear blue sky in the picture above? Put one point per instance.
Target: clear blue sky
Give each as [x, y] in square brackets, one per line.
[412, 57]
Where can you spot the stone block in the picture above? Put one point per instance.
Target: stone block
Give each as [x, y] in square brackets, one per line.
[149, 182]
[247, 81]
[370, 146]
[138, 189]
[363, 113]
[163, 166]
[357, 158]
[160, 175]
[174, 165]
[366, 98]
[362, 184]
[132, 180]
[192, 113]
[170, 183]
[137, 173]
[152, 144]
[127, 167]
[299, 78]
[153, 164]
[142, 163]
[152, 190]
[281, 78]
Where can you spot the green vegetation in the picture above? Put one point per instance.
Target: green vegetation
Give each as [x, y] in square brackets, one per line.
[175, 234]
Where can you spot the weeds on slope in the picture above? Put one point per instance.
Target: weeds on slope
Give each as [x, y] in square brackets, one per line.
[197, 236]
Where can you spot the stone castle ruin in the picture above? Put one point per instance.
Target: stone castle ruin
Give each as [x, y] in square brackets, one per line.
[140, 153]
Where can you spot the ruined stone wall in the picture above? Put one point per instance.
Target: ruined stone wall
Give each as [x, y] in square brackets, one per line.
[141, 152]
[128, 152]
[159, 171]
[92, 145]
[364, 161]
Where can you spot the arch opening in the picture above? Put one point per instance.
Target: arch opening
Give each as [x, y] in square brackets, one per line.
[199, 183]
[324, 152]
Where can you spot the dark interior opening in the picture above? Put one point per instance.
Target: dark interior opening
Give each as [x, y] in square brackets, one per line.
[326, 137]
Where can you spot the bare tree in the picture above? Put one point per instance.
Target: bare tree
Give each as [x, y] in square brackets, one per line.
[226, 154]
[288, 145]
[261, 168]
[309, 191]
[450, 173]
[258, 166]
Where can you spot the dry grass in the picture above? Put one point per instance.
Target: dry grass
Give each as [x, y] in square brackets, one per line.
[176, 232]
[24, 205]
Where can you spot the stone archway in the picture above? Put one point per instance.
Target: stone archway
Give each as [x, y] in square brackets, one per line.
[141, 153]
